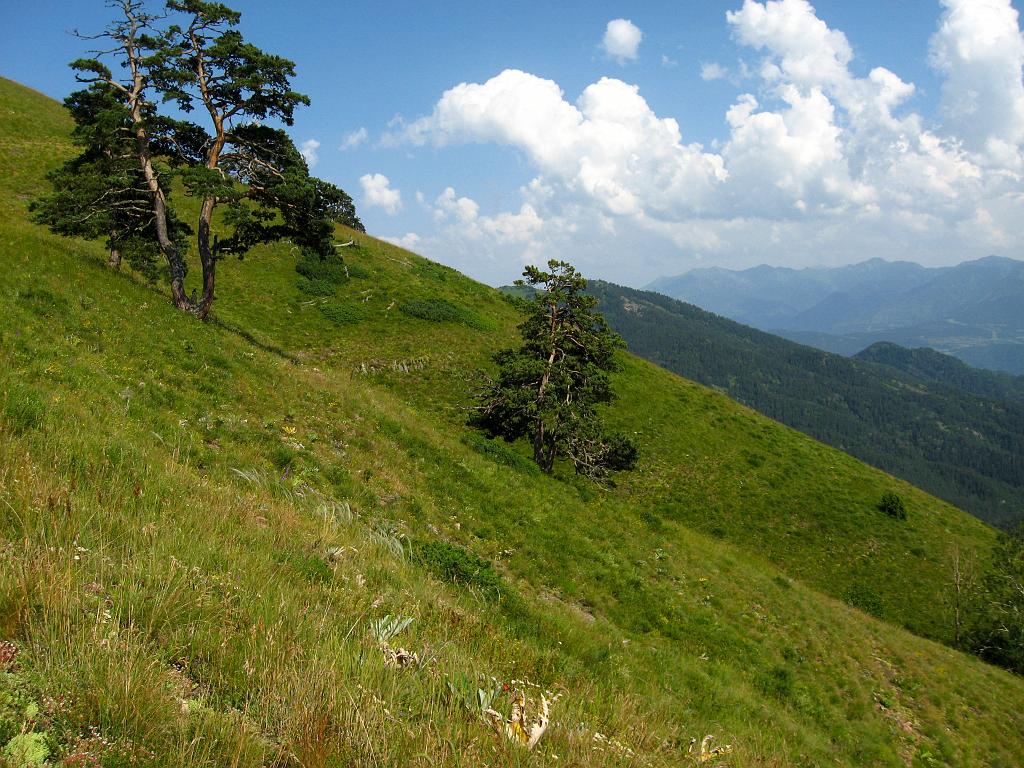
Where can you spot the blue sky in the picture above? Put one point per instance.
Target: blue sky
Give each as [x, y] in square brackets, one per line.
[685, 134]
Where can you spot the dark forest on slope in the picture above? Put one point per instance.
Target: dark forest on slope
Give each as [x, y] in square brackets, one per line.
[964, 448]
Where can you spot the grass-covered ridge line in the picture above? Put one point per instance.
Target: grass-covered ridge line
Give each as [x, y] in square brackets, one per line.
[203, 521]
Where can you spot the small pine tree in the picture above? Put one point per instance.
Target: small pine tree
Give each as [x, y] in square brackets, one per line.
[548, 388]
[893, 506]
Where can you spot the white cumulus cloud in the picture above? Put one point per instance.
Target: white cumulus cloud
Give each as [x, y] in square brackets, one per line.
[980, 49]
[622, 40]
[449, 206]
[818, 162]
[409, 241]
[308, 150]
[354, 139]
[608, 147]
[713, 71]
[377, 192]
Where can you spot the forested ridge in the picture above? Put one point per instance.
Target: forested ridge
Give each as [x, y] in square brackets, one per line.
[938, 368]
[962, 447]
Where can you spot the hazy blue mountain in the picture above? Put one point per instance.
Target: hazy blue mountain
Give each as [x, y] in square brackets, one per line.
[922, 419]
[974, 311]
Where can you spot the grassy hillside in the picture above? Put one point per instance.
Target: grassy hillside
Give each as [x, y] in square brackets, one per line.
[204, 521]
[966, 448]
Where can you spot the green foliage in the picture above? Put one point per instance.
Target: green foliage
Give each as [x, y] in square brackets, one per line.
[237, 162]
[101, 192]
[388, 627]
[315, 287]
[329, 269]
[997, 613]
[334, 204]
[865, 597]
[935, 367]
[548, 388]
[438, 273]
[453, 563]
[963, 448]
[357, 272]
[475, 694]
[27, 750]
[892, 505]
[341, 313]
[441, 311]
[499, 452]
[22, 408]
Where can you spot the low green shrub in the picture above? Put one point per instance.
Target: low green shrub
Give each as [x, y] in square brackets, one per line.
[893, 506]
[453, 563]
[315, 286]
[864, 597]
[357, 272]
[332, 269]
[342, 314]
[441, 311]
[500, 453]
[434, 272]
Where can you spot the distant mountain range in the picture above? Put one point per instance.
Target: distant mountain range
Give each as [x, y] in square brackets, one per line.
[955, 431]
[973, 311]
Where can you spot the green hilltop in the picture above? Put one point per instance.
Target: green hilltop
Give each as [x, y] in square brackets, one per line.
[204, 526]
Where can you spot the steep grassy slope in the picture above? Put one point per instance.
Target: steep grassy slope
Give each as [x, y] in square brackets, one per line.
[203, 521]
[965, 448]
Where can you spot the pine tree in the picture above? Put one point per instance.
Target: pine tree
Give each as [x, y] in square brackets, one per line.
[101, 192]
[548, 388]
[232, 159]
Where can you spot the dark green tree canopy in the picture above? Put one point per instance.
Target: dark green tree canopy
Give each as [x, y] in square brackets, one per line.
[549, 387]
[229, 155]
[101, 192]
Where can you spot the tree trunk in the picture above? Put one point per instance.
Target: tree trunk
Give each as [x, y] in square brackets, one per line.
[114, 260]
[207, 258]
[538, 443]
[175, 262]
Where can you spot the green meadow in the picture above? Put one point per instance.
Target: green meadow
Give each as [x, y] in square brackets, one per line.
[205, 525]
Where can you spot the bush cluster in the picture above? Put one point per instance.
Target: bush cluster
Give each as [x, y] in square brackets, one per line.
[453, 563]
[341, 314]
[319, 276]
[500, 453]
[441, 311]
[893, 506]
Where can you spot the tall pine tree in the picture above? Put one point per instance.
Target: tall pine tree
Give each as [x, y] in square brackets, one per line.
[548, 388]
[229, 158]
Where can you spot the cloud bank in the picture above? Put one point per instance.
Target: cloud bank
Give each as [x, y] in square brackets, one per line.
[819, 164]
